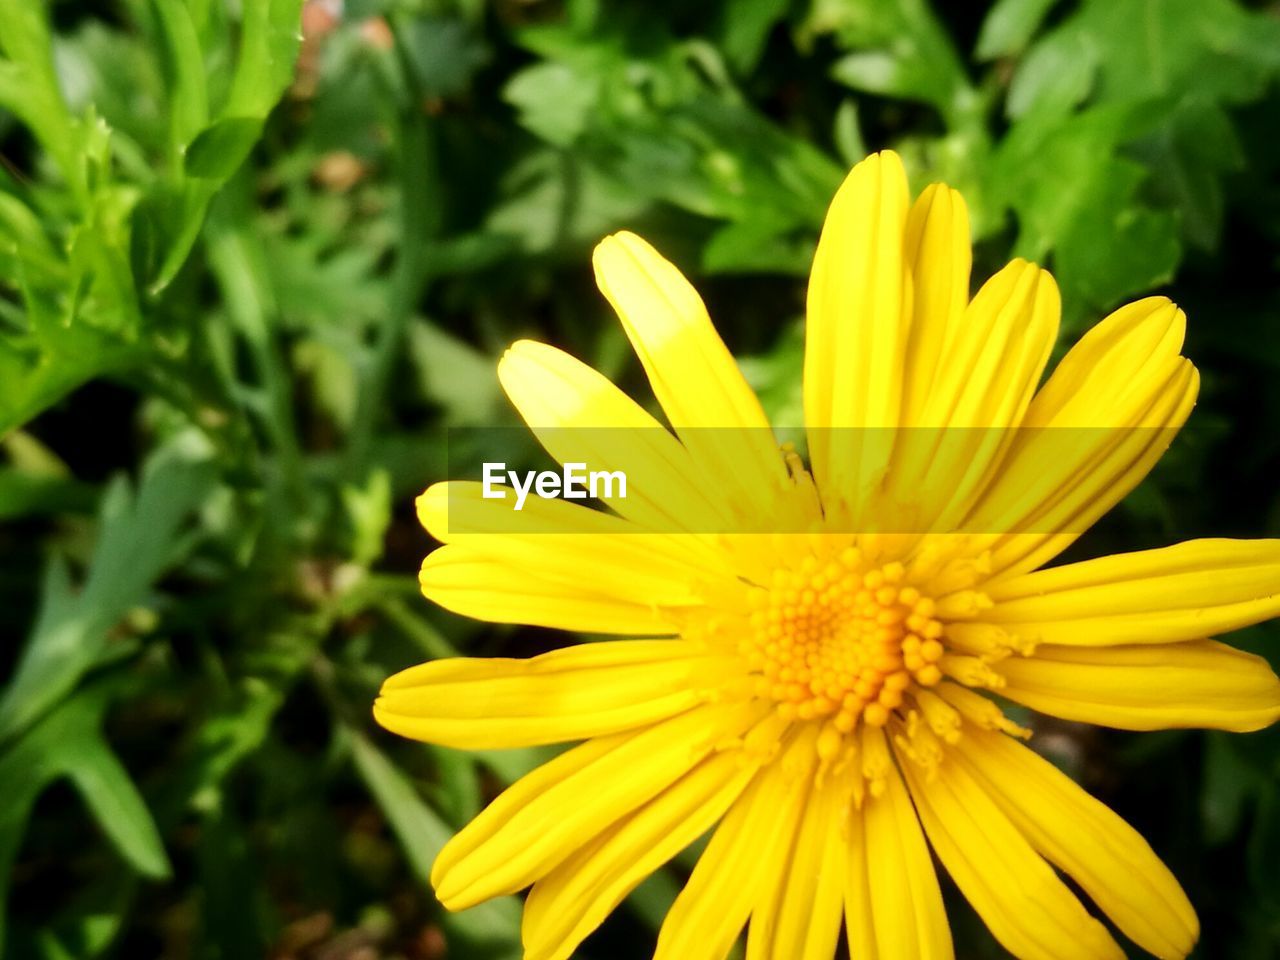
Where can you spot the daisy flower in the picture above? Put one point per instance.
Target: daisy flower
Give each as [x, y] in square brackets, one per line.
[813, 647]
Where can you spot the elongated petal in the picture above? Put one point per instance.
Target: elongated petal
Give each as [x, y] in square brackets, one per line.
[747, 850]
[458, 511]
[580, 416]
[807, 926]
[527, 566]
[762, 930]
[540, 820]
[1176, 593]
[1148, 687]
[575, 898]
[856, 333]
[906, 902]
[939, 257]
[693, 375]
[993, 360]
[572, 694]
[859, 920]
[1024, 903]
[1085, 839]
[1108, 413]
[556, 536]
[475, 585]
[1111, 366]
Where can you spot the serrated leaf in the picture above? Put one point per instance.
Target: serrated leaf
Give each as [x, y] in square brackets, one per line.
[67, 742]
[136, 541]
[554, 101]
[899, 48]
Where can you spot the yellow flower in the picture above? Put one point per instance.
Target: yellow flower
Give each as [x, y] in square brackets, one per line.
[816, 696]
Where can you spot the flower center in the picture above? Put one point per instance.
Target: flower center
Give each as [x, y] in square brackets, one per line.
[842, 639]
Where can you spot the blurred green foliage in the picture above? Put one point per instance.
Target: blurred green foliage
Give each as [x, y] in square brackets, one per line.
[255, 258]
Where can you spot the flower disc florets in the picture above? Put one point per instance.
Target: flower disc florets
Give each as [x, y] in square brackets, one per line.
[842, 639]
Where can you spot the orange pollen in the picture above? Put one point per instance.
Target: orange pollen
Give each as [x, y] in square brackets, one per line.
[839, 641]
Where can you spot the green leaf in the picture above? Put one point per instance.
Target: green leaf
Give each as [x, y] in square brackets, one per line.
[554, 100]
[744, 29]
[1155, 48]
[217, 152]
[1190, 152]
[189, 100]
[368, 511]
[1121, 141]
[900, 49]
[230, 880]
[1056, 76]
[269, 38]
[29, 86]
[108, 792]
[422, 834]
[138, 538]
[1076, 197]
[420, 830]
[758, 245]
[1009, 27]
[453, 374]
[68, 743]
[270, 33]
[38, 481]
[26, 255]
[38, 370]
[1140, 250]
[444, 53]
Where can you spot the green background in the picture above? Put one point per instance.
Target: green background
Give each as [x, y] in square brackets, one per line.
[246, 287]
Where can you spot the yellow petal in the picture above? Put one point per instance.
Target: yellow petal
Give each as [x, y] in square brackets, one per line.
[906, 902]
[571, 694]
[857, 324]
[696, 380]
[859, 921]
[762, 931]
[527, 566]
[1108, 413]
[993, 359]
[746, 851]
[579, 416]
[807, 925]
[1111, 365]
[1182, 592]
[992, 362]
[1148, 687]
[1024, 903]
[474, 585]
[1085, 839]
[939, 257]
[458, 510]
[575, 898]
[541, 819]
